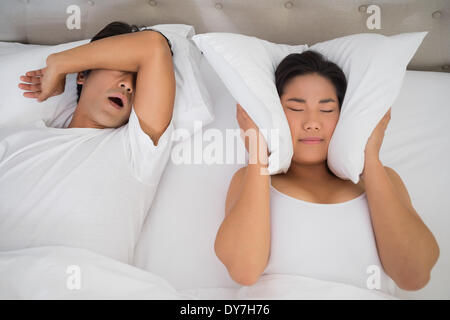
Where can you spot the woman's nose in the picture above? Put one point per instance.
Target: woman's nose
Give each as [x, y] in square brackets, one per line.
[312, 125]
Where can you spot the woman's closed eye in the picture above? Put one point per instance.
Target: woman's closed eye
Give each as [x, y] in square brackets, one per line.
[327, 111]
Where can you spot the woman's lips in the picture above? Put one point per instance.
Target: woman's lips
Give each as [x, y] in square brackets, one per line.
[311, 141]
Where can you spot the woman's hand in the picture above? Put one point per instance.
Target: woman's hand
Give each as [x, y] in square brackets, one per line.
[373, 146]
[246, 123]
[43, 83]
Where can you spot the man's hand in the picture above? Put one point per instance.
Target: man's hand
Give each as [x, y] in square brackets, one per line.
[43, 83]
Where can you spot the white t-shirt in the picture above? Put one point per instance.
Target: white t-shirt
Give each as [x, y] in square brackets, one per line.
[80, 187]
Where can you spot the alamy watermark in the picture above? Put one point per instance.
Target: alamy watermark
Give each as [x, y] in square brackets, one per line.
[374, 280]
[73, 281]
[73, 21]
[214, 146]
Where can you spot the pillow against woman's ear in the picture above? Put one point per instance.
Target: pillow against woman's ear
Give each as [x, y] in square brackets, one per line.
[247, 65]
[374, 66]
[192, 100]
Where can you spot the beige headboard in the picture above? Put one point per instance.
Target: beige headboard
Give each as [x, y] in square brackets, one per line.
[281, 21]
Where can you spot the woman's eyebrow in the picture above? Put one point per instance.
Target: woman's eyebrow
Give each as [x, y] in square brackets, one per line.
[303, 100]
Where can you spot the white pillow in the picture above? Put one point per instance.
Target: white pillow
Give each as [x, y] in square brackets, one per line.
[14, 47]
[374, 66]
[247, 65]
[14, 107]
[192, 100]
[183, 30]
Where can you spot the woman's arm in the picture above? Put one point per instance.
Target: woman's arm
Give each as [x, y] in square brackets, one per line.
[243, 239]
[407, 249]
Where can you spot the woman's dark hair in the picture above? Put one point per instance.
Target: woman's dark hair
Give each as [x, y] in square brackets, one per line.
[113, 29]
[307, 62]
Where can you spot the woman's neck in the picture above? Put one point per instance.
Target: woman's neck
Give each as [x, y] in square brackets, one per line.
[316, 173]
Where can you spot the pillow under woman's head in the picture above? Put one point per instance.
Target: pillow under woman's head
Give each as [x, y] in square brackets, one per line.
[311, 91]
[374, 66]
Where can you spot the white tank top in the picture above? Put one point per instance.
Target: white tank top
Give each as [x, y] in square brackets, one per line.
[333, 242]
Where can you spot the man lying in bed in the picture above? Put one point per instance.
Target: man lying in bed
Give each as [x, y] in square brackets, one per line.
[106, 158]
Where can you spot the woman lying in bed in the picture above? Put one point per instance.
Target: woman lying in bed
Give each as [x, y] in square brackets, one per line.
[308, 221]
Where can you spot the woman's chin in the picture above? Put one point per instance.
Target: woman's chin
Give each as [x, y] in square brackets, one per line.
[310, 160]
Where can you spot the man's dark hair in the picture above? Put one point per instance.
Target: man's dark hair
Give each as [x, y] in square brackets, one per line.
[113, 29]
[307, 62]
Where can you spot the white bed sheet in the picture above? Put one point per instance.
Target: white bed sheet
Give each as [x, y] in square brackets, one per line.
[59, 272]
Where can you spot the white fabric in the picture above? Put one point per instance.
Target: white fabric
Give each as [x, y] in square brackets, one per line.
[290, 287]
[374, 66]
[247, 65]
[333, 242]
[58, 272]
[15, 61]
[7, 48]
[81, 187]
[184, 30]
[72, 273]
[192, 100]
[177, 239]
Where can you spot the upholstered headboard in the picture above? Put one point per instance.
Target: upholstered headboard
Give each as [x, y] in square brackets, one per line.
[281, 21]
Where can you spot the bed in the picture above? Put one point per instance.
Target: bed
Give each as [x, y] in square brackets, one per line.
[174, 256]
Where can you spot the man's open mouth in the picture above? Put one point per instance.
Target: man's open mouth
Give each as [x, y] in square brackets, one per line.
[117, 101]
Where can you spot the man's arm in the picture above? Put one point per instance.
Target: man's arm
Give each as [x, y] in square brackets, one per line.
[155, 92]
[146, 53]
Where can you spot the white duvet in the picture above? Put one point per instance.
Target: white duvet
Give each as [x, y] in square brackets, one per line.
[58, 272]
